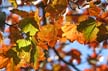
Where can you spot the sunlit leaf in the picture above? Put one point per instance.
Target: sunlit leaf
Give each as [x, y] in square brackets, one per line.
[23, 43]
[89, 29]
[29, 28]
[70, 31]
[25, 58]
[48, 33]
[13, 2]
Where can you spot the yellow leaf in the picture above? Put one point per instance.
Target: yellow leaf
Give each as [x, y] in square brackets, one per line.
[82, 18]
[47, 33]
[70, 31]
[13, 2]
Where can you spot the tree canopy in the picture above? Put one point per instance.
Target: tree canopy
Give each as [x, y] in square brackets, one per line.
[54, 22]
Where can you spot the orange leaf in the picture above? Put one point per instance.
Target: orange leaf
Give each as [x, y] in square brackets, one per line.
[70, 31]
[94, 11]
[43, 45]
[3, 62]
[52, 43]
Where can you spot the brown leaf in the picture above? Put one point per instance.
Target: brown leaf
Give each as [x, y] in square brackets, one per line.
[105, 44]
[75, 55]
[1, 38]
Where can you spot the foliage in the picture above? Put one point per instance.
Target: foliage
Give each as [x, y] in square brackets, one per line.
[31, 41]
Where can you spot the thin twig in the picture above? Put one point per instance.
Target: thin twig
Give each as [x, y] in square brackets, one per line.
[71, 64]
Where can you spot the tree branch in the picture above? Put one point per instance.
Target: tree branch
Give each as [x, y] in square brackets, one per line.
[71, 64]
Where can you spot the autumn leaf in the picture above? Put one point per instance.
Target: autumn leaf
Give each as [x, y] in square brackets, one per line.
[75, 55]
[10, 66]
[43, 45]
[14, 34]
[1, 38]
[47, 34]
[2, 20]
[82, 18]
[13, 54]
[24, 59]
[3, 62]
[92, 59]
[13, 2]
[26, 21]
[103, 33]
[89, 29]
[29, 28]
[70, 31]
[94, 11]
[94, 44]
[23, 43]
[22, 13]
[56, 7]
[37, 55]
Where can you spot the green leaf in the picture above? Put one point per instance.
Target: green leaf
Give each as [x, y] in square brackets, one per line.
[23, 43]
[26, 21]
[29, 28]
[89, 29]
[90, 32]
[85, 24]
